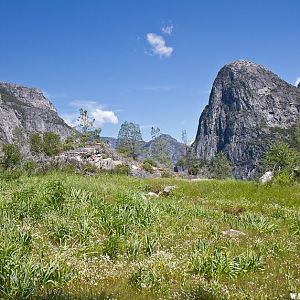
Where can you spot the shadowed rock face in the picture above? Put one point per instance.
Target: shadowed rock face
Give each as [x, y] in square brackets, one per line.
[26, 110]
[245, 102]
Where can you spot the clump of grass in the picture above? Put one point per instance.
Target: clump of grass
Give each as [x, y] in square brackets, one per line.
[55, 193]
[145, 278]
[137, 247]
[218, 262]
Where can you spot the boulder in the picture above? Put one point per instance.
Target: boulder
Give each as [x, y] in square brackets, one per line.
[168, 190]
[267, 177]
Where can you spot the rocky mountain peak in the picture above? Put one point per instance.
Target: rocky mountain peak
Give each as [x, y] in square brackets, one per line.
[245, 102]
[26, 110]
[29, 96]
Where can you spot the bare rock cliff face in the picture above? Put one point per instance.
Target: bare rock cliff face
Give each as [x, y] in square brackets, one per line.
[245, 103]
[26, 110]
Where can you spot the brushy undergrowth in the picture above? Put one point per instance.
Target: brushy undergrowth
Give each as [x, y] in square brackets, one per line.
[65, 236]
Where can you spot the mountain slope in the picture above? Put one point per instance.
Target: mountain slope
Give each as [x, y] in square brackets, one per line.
[173, 148]
[245, 103]
[26, 110]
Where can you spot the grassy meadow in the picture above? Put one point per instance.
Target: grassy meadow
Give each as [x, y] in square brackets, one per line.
[65, 236]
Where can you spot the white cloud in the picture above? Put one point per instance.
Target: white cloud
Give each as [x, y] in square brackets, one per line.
[297, 81]
[96, 111]
[167, 29]
[158, 45]
[104, 116]
[70, 119]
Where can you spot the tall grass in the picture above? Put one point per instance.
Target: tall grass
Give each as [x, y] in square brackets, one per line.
[65, 236]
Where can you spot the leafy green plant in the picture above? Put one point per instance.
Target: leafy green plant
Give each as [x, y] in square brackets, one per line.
[281, 158]
[283, 178]
[150, 162]
[30, 167]
[55, 193]
[51, 143]
[12, 157]
[69, 143]
[146, 166]
[220, 167]
[122, 170]
[36, 143]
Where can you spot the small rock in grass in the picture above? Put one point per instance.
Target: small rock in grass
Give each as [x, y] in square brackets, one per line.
[267, 177]
[233, 232]
[151, 194]
[168, 189]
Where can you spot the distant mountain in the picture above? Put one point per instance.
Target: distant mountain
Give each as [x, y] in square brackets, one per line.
[111, 141]
[246, 102]
[171, 145]
[26, 110]
[175, 148]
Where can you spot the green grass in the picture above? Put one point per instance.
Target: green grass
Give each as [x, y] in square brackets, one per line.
[75, 237]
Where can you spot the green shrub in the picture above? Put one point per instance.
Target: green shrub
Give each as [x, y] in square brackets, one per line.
[121, 170]
[11, 174]
[30, 167]
[281, 158]
[89, 168]
[69, 144]
[36, 143]
[220, 167]
[51, 143]
[125, 152]
[283, 178]
[150, 162]
[194, 169]
[12, 156]
[146, 166]
[68, 168]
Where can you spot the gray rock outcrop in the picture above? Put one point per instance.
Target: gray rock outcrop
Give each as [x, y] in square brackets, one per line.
[245, 103]
[26, 110]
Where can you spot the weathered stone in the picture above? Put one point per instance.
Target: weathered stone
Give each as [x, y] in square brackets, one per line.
[168, 190]
[267, 177]
[246, 102]
[151, 194]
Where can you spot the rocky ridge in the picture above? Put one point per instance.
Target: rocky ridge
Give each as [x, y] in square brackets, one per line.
[246, 102]
[26, 110]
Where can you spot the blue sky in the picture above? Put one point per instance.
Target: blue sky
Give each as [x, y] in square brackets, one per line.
[150, 62]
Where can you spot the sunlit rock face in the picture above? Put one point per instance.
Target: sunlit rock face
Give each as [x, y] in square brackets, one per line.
[245, 103]
[26, 110]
